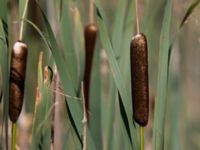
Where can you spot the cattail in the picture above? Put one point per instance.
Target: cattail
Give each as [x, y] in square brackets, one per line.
[139, 79]
[17, 79]
[90, 39]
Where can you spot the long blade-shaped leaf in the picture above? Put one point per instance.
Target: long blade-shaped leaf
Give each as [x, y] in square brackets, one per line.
[3, 10]
[116, 73]
[95, 122]
[118, 27]
[116, 42]
[41, 124]
[189, 12]
[67, 43]
[160, 106]
[3, 17]
[5, 73]
[4, 62]
[68, 87]
[78, 40]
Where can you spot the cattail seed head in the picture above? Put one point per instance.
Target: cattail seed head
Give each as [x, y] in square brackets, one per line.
[90, 34]
[139, 79]
[17, 78]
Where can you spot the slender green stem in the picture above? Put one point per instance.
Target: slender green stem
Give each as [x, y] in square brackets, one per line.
[22, 22]
[91, 12]
[84, 121]
[137, 17]
[13, 136]
[141, 138]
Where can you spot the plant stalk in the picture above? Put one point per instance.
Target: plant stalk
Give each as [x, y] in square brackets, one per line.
[91, 12]
[137, 17]
[84, 121]
[22, 22]
[13, 136]
[141, 138]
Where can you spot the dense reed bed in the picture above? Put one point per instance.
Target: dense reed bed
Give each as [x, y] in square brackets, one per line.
[99, 75]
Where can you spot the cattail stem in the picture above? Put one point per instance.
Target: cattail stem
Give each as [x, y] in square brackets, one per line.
[91, 12]
[141, 138]
[84, 121]
[22, 22]
[13, 136]
[137, 17]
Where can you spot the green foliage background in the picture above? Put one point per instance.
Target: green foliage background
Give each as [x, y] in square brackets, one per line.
[56, 29]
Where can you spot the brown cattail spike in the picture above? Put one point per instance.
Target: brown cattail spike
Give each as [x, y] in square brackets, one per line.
[17, 79]
[139, 79]
[90, 39]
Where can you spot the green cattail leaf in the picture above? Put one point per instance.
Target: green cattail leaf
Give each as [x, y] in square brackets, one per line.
[124, 62]
[126, 37]
[151, 24]
[121, 35]
[189, 12]
[70, 54]
[73, 102]
[78, 42]
[74, 105]
[41, 131]
[95, 111]
[174, 111]
[109, 115]
[160, 105]
[116, 75]
[3, 10]
[60, 8]
[4, 58]
[118, 27]
[3, 17]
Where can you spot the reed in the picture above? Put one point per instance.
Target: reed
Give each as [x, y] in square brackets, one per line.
[90, 39]
[139, 79]
[17, 79]
[16, 84]
[113, 109]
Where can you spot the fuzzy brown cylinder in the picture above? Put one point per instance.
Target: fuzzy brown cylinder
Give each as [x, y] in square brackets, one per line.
[90, 34]
[139, 79]
[17, 79]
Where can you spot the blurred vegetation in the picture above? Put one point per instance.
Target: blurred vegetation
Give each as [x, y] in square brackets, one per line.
[56, 28]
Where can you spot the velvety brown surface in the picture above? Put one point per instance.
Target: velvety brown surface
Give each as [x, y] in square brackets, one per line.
[17, 79]
[139, 79]
[90, 39]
